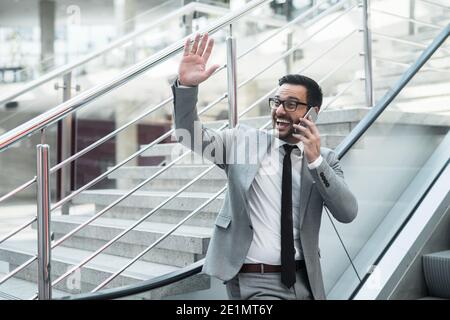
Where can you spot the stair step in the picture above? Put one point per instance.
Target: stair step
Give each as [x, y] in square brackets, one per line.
[17, 289]
[436, 269]
[143, 202]
[96, 271]
[151, 199]
[172, 179]
[185, 246]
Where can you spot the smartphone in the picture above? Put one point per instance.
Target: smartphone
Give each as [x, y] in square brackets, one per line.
[313, 113]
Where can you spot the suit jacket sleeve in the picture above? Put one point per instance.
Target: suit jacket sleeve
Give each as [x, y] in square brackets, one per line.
[335, 192]
[191, 133]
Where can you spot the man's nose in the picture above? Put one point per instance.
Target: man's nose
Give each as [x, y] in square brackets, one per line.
[280, 110]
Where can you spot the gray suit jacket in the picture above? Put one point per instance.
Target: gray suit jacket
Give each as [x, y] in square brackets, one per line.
[233, 232]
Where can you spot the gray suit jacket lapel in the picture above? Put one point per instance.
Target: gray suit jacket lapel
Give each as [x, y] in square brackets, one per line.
[306, 178]
[305, 189]
[252, 169]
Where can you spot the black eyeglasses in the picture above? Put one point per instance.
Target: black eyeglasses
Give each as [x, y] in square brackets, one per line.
[288, 105]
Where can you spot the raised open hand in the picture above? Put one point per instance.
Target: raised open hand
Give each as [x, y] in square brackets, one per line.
[192, 69]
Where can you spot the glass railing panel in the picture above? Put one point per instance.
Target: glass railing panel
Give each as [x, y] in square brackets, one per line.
[398, 42]
[391, 166]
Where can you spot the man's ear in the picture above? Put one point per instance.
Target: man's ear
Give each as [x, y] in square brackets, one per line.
[317, 109]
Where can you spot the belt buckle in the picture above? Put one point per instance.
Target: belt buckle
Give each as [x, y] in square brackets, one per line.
[262, 268]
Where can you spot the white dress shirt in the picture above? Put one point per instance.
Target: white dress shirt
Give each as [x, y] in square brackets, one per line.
[264, 201]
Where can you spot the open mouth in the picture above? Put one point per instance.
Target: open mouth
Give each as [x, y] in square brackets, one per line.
[283, 124]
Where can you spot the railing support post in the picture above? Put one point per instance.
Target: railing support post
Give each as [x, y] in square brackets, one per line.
[232, 82]
[66, 141]
[43, 222]
[412, 15]
[290, 58]
[367, 54]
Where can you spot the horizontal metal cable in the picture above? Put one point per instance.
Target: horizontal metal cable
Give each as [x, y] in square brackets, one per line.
[341, 150]
[87, 149]
[291, 50]
[164, 236]
[72, 195]
[288, 25]
[211, 105]
[64, 109]
[65, 237]
[16, 231]
[18, 189]
[142, 150]
[191, 7]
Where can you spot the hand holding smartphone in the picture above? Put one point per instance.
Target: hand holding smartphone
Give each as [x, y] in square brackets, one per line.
[311, 112]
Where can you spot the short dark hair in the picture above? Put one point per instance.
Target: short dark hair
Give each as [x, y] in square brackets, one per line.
[313, 90]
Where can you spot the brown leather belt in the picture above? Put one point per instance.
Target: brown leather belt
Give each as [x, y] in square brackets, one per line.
[266, 268]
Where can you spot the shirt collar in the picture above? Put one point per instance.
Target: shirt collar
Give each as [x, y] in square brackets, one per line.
[277, 143]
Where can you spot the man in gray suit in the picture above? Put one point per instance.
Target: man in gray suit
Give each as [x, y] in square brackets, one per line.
[265, 240]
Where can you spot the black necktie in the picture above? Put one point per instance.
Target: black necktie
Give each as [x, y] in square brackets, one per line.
[287, 237]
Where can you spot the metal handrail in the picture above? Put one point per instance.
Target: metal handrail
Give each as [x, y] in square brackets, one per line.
[87, 149]
[72, 195]
[374, 113]
[146, 216]
[92, 146]
[168, 233]
[279, 30]
[341, 150]
[93, 182]
[81, 100]
[123, 24]
[291, 50]
[191, 7]
[16, 231]
[143, 286]
[99, 214]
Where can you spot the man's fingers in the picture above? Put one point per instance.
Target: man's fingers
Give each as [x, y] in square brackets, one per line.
[211, 69]
[187, 45]
[208, 50]
[201, 48]
[195, 45]
[312, 126]
[307, 133]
